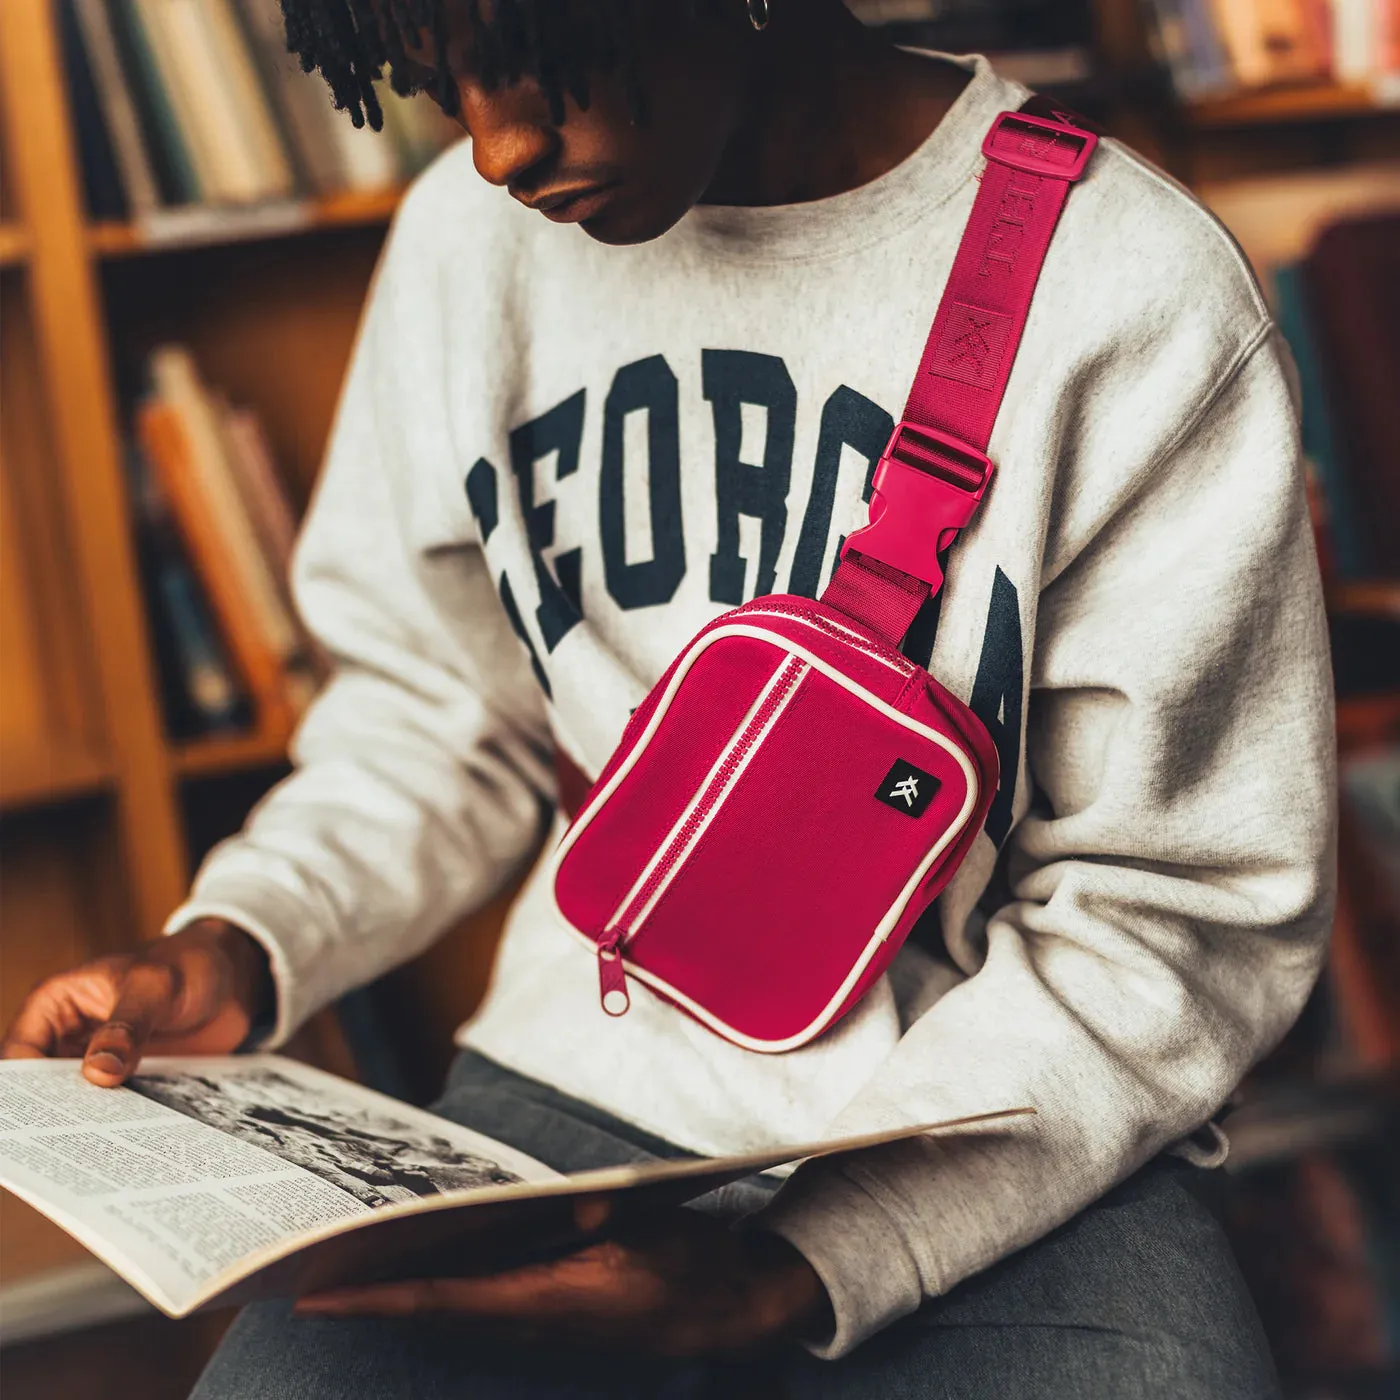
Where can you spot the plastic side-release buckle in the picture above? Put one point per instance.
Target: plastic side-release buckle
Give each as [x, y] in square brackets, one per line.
[924, 491]
[1039, 146]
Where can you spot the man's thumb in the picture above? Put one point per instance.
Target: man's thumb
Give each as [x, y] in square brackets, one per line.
[145, 1000]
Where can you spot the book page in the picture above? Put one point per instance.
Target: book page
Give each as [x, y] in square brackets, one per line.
[200, 1163]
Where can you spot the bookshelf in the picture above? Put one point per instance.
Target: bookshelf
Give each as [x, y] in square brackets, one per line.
[49, 774]
[101, 814]
[233, 753]
[14, 245]
[201, 227]
[1324, 102]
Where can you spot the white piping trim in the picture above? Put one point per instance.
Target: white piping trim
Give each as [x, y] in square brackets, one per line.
[777, 679]
[850, 636]
[892, 914]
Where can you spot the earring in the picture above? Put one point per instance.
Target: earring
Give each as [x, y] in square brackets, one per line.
[759, 13]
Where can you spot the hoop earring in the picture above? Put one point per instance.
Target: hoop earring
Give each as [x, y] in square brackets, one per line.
[759, 13]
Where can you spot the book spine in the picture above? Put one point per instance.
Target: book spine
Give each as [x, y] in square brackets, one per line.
[164, 435]
[1317, 18]
[368, 157]
[175, 379]
[251, 461]
[1210, 56]
[1388, 40]
[102, 184]
[208, 111]
[1319, 438]
[138, 179]
[208, 681]
[160, 21]
[1352, 25]
[170, 154]
[202, 678]
[254, 111]
[299, 99]
[420, 127]
[255, 474]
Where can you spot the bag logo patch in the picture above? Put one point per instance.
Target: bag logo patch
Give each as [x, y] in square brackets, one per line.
[971, 345]
[907, 789]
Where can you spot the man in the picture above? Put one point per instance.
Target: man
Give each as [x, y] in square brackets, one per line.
[557, 456]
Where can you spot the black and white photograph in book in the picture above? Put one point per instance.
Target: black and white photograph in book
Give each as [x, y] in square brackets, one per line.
[374, 1156]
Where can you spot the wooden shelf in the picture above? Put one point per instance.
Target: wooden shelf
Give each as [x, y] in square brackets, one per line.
[1293, 104]
[14, 244]
[222, 754]
[42, 774]
[1369, 598]
[203, 226]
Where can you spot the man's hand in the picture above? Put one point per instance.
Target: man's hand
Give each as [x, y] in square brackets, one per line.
[196, 993]
[681, 1285]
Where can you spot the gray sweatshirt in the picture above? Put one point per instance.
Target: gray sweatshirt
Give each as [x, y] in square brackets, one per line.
[554, 461]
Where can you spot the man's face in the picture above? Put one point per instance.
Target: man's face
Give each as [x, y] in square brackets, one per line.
[622, 180]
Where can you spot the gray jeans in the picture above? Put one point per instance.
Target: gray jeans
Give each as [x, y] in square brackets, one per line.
[1138, 1298]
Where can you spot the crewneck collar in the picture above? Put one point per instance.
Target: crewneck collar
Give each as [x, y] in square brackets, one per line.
[846, 223]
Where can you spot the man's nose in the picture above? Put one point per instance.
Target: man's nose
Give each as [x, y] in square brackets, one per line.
[510, 130]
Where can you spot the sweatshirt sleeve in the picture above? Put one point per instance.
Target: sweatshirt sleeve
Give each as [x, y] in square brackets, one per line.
[1170, 888]
[421, 773]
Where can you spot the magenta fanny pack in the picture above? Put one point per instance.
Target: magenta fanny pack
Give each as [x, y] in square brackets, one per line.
[794, 792]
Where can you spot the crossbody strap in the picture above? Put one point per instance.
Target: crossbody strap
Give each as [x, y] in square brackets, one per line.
[935, 469]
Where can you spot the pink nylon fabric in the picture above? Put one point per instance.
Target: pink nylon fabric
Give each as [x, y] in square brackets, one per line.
[967, 359]
[794, 793]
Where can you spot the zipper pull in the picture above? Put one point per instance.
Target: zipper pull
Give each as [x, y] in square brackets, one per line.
[612, 981]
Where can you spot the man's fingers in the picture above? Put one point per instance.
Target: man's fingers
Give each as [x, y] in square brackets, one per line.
[591, 1213]
[422, 1295]
[49, 1016]
[146, 999]
[532, 1294]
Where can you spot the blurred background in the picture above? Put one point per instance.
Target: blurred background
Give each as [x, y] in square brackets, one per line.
[187, 232]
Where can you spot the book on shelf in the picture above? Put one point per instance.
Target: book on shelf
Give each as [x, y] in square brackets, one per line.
[1365, 38]
[166, 24]
[118, 110]
[1215, 47]
[1325, 246]
[212, 1181]
[199, 690]
[1350, 278]
[97, 160]
[370, 159]
[204, 473]
[1188, 45]
[184, 102]
[165, 142]
[419, 127]
[255, 475]
[1341, 527]
[1273, 41]
[198, 66]
[244, 95]
[306, 117]
[1366, 935]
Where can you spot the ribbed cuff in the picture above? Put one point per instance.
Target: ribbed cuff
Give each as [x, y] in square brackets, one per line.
[856, 1249]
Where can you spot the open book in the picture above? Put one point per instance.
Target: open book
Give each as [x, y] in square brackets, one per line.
[220, 1180]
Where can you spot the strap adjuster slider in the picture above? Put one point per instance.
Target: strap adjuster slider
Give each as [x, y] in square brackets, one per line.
[1038, 146]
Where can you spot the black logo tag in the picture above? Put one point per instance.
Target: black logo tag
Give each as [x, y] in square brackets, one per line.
[908, 789]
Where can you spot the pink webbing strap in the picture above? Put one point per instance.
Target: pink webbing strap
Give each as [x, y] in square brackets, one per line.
[935, 469]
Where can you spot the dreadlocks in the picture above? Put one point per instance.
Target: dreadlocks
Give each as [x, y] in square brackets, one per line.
[556, 42]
